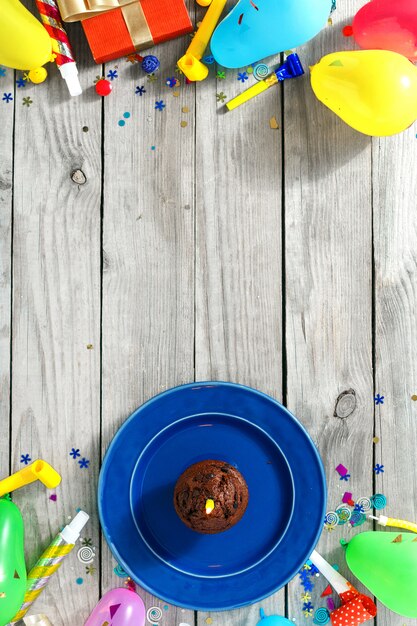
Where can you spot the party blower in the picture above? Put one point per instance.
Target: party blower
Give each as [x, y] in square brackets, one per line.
[356, 608]
[38, 470]
[49, 561]
[291, 68]
[190, 64]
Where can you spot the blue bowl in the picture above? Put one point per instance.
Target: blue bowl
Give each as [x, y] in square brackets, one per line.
[281, 525]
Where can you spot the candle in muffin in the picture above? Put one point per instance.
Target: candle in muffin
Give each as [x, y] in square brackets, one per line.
[211, 496]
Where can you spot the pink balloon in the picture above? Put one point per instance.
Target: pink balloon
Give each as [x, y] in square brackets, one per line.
[118, 607]
[387, 25]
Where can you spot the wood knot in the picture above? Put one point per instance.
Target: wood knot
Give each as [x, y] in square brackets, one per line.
[78, 177]
[345, 404]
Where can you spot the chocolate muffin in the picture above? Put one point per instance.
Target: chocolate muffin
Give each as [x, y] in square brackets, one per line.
[209, 484]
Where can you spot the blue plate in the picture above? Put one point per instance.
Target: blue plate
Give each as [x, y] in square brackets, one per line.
[282, 522]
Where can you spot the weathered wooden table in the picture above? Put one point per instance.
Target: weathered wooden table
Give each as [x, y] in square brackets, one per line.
[284, 259]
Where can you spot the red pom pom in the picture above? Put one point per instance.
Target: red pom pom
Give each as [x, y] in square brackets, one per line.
[347, 31]
[103, 87]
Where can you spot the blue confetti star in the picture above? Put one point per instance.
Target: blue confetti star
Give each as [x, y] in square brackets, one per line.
[345, 477]
[25, 458]
[140, 90]
[7, 97]
[314, 570]
[379, 399]
[112, 74]
[307, 606]
[2, 71]
[242, 76]
[171, 82]
[84, 462]
[160, 105]
[209, 59]
[358, 508]
[379, 469]
[20, 83]
[75, 452]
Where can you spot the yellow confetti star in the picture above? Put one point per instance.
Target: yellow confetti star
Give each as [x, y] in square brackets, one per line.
[306, 597]
[306, 566]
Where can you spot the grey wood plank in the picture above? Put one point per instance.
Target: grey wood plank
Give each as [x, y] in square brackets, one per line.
[395, 241]
[328, 256]
[56, 316]
[7, 84]
[238, 255]
[148, 248]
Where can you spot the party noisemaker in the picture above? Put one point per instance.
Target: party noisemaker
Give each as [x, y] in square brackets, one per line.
[356, 608]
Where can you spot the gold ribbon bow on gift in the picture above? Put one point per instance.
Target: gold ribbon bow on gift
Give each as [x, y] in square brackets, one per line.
[75, 10]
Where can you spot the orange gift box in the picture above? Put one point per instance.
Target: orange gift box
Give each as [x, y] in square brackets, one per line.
[135, 26]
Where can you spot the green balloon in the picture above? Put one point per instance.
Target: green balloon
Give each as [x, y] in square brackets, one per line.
[13, 577]
[387, 568]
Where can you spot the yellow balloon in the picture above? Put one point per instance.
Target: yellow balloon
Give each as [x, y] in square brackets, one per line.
[24, 42]
[374, 91]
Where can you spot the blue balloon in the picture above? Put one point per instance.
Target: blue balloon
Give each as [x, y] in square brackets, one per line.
[256, 29]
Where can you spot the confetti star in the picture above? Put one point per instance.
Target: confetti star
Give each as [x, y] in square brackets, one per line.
[306, 567]
[87, 542]
[358, 508]
[345, 477]
[75, 452]
[2, 71]
[221, 97]
[140, 90]
[209, 59]
[221, 75]
[7, 97]
[307, 584]
[112, 74]
[27, 102]
[20, 83]
[242, 76]
[379, 469]
[171, 82]
[90, 569]
[132, 58]
[306, 597]
[83, 462]
[25, 458]
[329, 528]
[307, 606]
[160, 105]
[379, 399]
